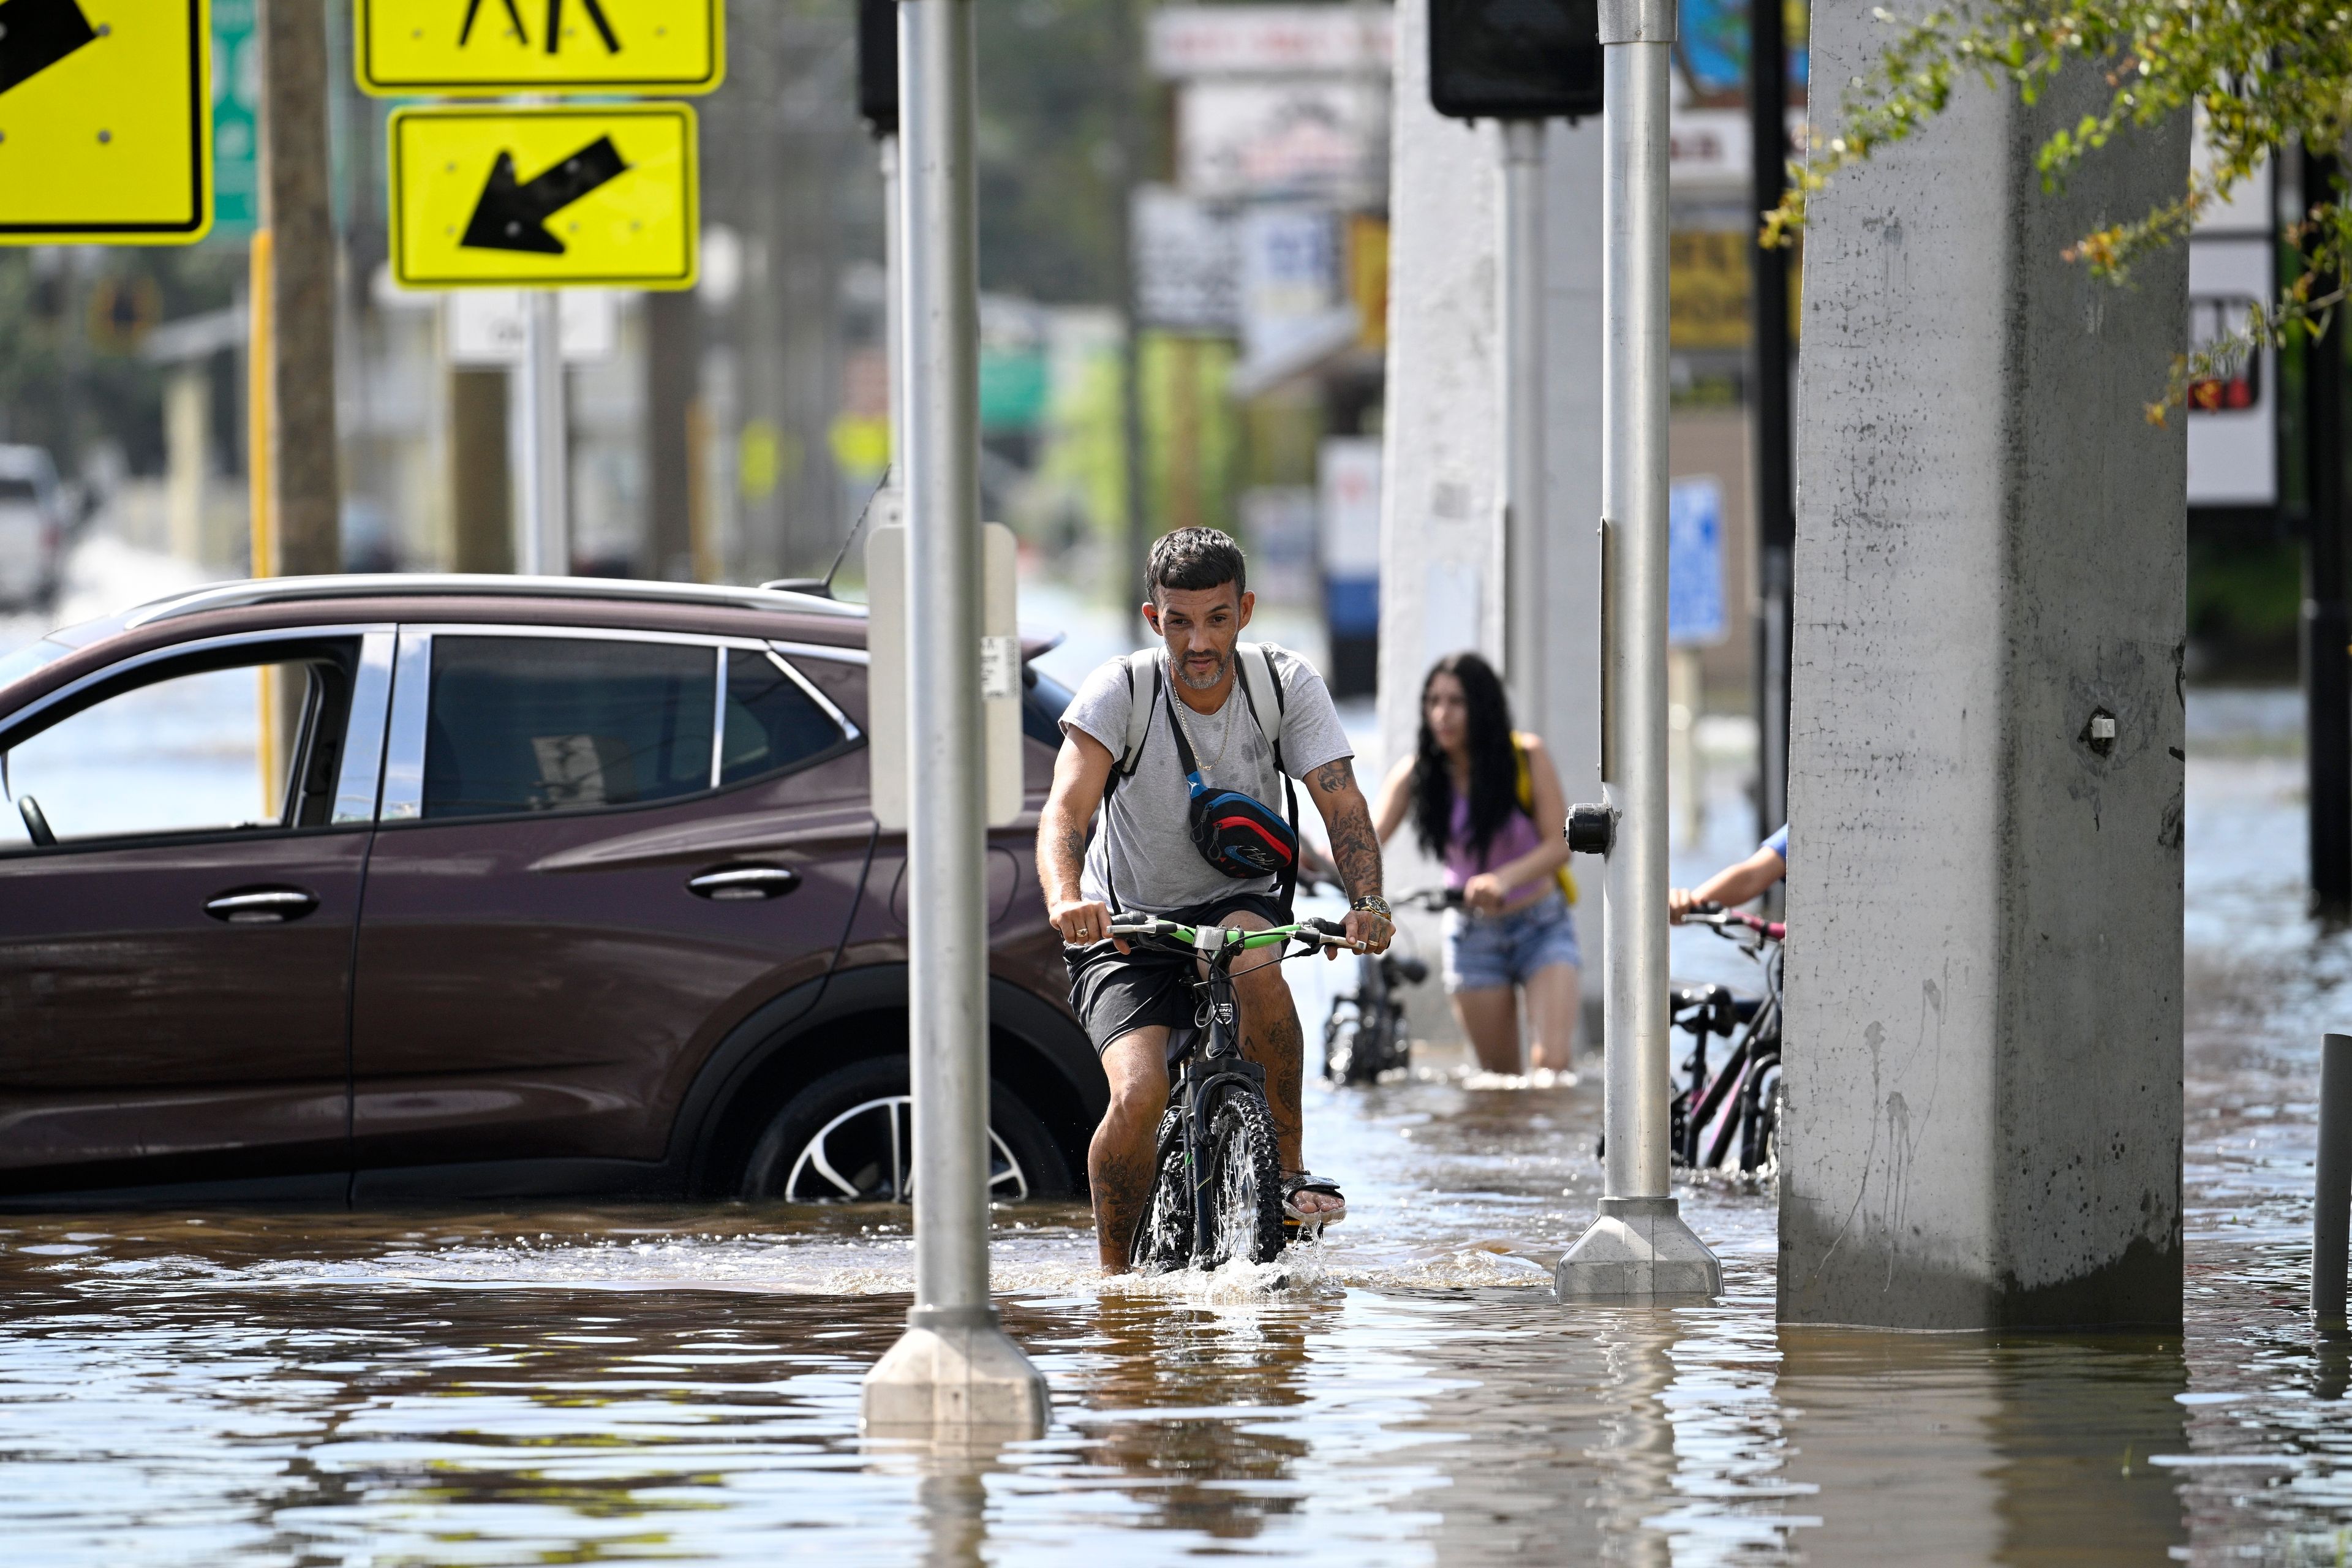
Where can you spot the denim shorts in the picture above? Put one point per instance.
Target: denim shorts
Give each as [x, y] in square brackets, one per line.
[1483, 952]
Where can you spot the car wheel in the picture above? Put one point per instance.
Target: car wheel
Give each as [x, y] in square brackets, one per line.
[849, 1138]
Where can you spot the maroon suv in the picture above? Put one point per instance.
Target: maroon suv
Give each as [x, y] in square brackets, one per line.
[378, 889]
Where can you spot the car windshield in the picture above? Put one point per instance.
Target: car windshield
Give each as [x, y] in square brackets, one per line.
[16, 489]
[31, 657]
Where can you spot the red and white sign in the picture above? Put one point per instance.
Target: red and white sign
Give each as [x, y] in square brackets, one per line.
[1269, 40]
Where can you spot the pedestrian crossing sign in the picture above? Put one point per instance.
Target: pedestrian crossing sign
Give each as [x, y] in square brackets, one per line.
[459, 48]
[106, 115]
[544, 197]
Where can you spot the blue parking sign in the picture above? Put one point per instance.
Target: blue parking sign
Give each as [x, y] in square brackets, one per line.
[1694, 612]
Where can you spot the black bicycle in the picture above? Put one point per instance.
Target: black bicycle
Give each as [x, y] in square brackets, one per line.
[1216, 1186]
[1749, 1081]
[1365, 1035]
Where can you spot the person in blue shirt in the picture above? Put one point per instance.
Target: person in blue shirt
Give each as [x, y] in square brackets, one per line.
[1734, 885]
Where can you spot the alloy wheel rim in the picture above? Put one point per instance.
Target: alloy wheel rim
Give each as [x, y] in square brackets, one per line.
[866, 1154]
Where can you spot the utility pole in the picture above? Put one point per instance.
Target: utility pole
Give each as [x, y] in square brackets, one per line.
[878, 104]
[1639, 1247]
[955, 1367]
[673, 388]
[2326, 666]
[1520, 326]
[1767, 399]
[296, 497]
[1127, 57]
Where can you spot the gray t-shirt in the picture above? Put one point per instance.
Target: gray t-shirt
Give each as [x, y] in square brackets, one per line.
[1144, 845]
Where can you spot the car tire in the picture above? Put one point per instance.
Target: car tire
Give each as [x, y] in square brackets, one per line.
[848, 1138]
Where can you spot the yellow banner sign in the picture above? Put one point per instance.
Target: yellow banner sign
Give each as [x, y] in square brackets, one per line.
[106, 114]
[545, 199]
[473, 46]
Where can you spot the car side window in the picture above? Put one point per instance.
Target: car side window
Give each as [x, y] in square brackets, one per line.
[521, 724]
[178, 749]
[842, 681]
[772, 721]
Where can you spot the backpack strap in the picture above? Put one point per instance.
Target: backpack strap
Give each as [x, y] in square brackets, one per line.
[1526, 793]
[1262, 686]
[1145, 662]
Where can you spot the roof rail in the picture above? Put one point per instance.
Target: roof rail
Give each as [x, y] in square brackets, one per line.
[428, 584]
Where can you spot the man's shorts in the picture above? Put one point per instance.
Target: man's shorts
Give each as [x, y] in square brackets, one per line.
[1486, 951]
[1115, 993]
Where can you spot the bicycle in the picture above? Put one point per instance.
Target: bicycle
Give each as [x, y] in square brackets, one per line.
[1752, 1072]
[1364, 1036]
[1216, 1185]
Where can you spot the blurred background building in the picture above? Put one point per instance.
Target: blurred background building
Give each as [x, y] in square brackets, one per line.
[1210, 178]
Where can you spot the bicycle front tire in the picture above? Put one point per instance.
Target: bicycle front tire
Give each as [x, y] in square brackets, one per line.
[1242, 1203]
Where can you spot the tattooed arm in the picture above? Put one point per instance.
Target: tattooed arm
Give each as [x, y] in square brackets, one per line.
[1354, 846]
[1080, 772]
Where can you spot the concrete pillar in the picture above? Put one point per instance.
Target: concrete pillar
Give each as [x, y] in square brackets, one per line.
[1984, 981]
[1441, 537]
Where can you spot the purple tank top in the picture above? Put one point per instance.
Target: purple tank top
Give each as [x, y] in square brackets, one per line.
[1513, 839]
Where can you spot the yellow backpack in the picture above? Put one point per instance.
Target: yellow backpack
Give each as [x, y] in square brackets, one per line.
[1527, 804]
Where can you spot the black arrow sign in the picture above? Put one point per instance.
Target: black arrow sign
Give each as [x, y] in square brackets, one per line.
[37, 33]
[511, 215]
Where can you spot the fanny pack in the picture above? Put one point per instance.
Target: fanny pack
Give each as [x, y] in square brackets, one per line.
[1236, 833]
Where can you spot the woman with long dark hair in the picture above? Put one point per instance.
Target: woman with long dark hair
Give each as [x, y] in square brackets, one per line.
[1476, 789]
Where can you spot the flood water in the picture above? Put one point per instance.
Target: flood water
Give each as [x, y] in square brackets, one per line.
[632, 1384]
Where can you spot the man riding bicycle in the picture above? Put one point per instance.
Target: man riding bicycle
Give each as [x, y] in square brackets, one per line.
[1183, 748]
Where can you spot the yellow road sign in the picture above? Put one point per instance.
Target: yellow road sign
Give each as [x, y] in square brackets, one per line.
[106, 121]
[545, 198]
[460, 46]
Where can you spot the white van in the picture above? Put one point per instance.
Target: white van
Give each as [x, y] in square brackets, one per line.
[32, 526]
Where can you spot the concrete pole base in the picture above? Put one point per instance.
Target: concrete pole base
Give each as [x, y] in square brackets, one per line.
[1638, 1249]
[955, 1370]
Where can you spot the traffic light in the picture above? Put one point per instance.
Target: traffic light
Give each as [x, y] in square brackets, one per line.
[1515, 59]
[878, 65]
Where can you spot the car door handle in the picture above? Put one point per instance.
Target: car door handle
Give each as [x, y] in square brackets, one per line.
[731, 883]
[262, 906]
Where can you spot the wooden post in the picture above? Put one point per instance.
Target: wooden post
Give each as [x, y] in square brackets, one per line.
[673, 373]
[294, 300]
[480, 490]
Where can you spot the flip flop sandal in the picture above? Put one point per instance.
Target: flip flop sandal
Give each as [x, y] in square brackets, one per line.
[1292, 1219]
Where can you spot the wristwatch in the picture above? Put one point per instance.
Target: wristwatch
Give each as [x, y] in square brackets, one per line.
[1373, 904]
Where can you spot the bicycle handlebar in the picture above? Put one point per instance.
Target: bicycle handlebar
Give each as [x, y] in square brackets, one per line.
[1315, 933]
[1715, 915]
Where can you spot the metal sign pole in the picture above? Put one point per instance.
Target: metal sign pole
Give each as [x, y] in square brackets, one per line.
[955, 1366]
[546, 530]
[1522, 360]
[1638, 1247]
[893, 307]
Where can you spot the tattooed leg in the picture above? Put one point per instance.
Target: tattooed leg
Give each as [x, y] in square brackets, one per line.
[1119, 1161]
